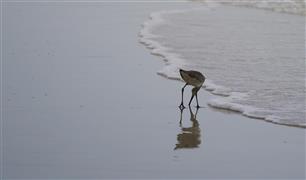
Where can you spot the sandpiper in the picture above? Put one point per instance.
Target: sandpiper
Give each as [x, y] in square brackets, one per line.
[195, 79]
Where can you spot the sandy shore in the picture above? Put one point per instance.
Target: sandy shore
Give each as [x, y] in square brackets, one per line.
[82, 100]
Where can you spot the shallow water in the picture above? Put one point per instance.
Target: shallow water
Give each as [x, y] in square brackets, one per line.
[81, 100]
[254, 59]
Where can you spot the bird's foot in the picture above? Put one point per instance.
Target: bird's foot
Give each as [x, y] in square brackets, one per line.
[198, 106]
[181, 106]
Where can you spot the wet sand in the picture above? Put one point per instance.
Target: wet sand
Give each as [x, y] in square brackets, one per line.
[81, 99]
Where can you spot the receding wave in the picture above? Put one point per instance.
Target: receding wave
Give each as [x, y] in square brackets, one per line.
[255, 64]
[284, 6]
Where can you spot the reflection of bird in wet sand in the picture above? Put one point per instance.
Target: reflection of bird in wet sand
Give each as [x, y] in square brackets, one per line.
[195, 79]
[190, 137]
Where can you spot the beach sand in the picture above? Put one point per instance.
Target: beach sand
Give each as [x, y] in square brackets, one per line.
[81, 99]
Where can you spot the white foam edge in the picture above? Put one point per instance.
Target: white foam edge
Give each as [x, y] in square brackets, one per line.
[226, 103]
[281, 6]
[248, 111]
[173, 62]
[156, 19]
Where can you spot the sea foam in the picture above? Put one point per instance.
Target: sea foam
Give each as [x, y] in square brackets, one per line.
[284, 6]
[228, 97]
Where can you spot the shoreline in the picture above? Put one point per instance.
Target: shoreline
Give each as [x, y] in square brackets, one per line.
[173, 61]
[95, 107]
[230, 110]
[233, 111]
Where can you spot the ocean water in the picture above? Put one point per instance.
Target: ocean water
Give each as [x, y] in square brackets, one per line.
[253, 59]
[286, 6]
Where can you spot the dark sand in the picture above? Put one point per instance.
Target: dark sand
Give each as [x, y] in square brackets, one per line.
[81, 99]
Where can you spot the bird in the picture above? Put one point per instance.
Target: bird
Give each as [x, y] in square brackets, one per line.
[195, 79]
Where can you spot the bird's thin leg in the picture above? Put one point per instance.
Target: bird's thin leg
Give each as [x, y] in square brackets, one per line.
[197, 100]
[181, 117]
[190, 100]
[182, 103]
